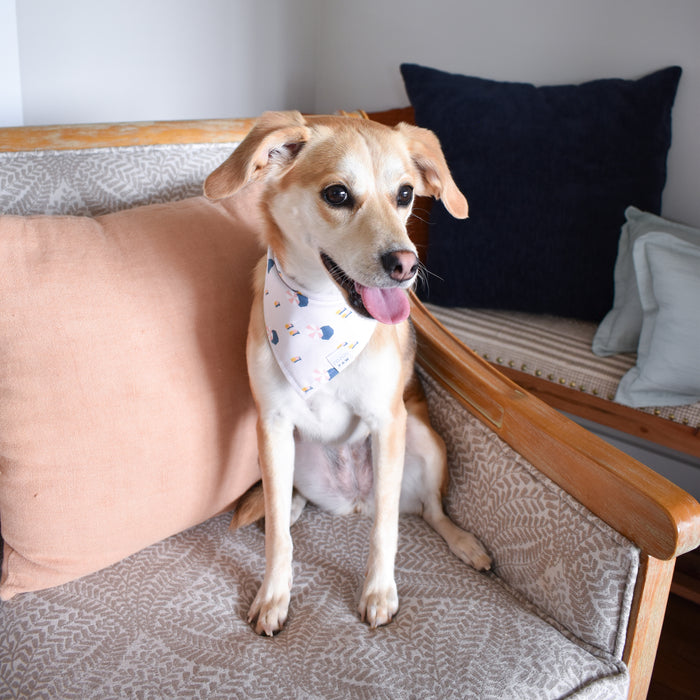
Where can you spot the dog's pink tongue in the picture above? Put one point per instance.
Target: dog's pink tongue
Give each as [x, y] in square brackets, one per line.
[387, 305]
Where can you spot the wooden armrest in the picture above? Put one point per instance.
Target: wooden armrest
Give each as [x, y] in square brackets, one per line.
[662, 431]
[659, 517]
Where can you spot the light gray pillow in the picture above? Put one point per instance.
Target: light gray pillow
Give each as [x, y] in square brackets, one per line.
[619, 330]
[667, 372]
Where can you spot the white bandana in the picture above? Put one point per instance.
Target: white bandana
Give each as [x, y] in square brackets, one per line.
[313, 339]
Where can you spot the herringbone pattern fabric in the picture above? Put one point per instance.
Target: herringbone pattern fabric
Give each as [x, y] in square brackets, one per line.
[98, 181]
[545, 545]
[169, 622]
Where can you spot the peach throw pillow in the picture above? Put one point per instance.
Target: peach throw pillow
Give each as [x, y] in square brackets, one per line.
[125, 411]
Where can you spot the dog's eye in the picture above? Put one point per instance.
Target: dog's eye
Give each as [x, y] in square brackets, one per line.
[404, 196]
[337, 196]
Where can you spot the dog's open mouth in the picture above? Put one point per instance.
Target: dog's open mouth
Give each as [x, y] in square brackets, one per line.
[385, 304]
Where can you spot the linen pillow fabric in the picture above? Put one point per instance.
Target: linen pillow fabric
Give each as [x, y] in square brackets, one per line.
[667, 372]
[125, 412]
[619, 330]
[548, 172]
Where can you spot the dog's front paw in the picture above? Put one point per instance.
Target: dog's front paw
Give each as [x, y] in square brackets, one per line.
[470, 550]
[378, 605]
[269, 610]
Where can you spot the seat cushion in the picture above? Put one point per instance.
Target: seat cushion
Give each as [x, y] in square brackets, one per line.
[181, 632]
[552, 348]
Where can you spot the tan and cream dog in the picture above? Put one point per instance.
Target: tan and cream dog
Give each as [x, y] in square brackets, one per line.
[336, 194]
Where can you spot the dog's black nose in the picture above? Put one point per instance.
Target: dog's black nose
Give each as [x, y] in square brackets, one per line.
[401, 265]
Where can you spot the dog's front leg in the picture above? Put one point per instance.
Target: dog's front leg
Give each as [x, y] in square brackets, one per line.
[276, 454]
[379, 601]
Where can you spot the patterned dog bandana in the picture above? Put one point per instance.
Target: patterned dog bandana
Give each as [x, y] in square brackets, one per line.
[313, 339]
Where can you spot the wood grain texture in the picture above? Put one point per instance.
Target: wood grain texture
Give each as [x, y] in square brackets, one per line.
[661, 431]
[79, 136]
[663, 519]
[660, 518]
[646, 621]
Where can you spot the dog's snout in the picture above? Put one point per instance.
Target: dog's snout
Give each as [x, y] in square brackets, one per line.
[401, 265]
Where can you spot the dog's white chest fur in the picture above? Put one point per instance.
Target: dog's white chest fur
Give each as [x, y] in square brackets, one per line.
[346, 409]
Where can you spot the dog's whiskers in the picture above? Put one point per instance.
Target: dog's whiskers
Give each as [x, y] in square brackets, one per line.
[423, 277]
[340, 276]
[423, 218]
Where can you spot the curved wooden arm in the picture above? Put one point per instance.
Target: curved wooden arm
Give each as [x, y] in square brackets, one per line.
[659, 517]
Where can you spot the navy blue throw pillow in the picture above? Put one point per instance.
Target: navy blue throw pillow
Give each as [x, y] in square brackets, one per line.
[548, 173]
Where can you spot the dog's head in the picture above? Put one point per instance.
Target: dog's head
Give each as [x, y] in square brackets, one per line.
[337, 194]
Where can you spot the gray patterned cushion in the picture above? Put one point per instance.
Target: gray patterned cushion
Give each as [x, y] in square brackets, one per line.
[101, 180]
[169, 621]
[546, 547]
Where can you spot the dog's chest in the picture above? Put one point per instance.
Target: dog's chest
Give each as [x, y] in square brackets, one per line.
[349, 407]
[332, 416]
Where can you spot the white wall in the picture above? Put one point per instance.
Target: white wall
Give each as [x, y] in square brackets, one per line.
[10, 85]
[84, 61]
[131, 60]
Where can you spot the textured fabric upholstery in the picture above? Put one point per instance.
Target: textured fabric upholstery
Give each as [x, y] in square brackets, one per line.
[102, 180]
[546, 547]
[550, 347]
[123, 383]
[170, 622]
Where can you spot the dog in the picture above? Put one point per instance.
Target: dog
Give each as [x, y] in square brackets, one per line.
[330, 348]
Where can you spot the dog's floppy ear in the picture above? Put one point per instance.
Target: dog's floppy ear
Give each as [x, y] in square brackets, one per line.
[436, 179]
[273, 142]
